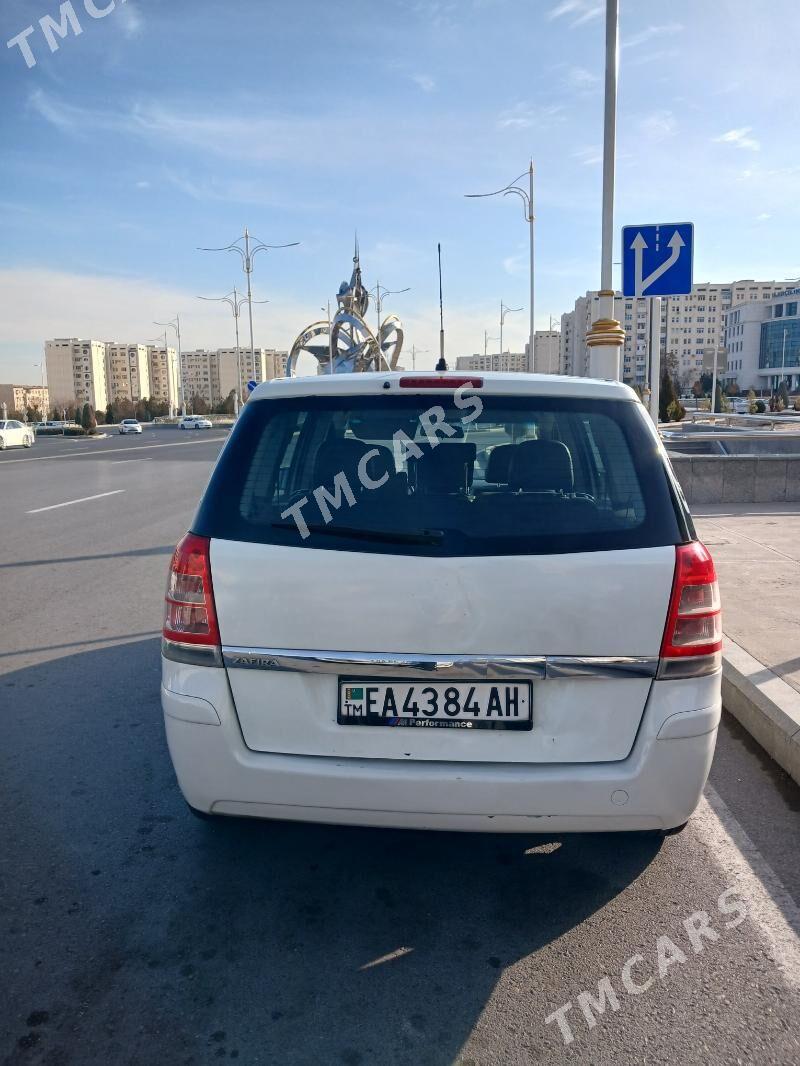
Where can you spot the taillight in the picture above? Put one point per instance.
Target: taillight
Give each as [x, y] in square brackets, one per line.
[189, 613]
[429, 381]
[694, 621]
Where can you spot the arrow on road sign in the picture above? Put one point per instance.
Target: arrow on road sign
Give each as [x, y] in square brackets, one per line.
[638, 246]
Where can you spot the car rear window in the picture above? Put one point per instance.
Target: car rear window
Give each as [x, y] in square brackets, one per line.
[442, 475]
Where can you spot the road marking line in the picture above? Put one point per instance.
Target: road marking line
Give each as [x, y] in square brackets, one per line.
[69, 503]
[770, 906]
[111, 451]
[118, 462]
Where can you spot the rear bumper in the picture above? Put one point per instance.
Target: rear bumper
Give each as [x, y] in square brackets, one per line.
[656, 787]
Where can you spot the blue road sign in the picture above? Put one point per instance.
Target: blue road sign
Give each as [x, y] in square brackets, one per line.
[252, 385]
[657, 259]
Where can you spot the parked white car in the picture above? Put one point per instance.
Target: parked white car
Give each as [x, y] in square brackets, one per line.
[16, 434]
[367, 626]
[130, 425]
[195, 422]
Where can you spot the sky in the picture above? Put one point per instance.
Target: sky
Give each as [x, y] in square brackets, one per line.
[165, 125]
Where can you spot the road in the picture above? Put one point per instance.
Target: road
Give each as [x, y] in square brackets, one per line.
[134, 934]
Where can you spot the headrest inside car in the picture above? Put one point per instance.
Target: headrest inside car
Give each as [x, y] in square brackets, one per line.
[542, 466]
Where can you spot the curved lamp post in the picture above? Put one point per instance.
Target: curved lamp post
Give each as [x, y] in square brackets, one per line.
[513, 188]
[235, 302]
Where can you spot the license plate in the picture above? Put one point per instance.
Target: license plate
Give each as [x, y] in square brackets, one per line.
[438, 705]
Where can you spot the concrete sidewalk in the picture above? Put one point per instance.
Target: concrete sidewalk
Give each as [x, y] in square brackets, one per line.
[756, 549]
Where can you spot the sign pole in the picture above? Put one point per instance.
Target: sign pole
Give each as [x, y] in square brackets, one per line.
[654, 360]
[606, 337]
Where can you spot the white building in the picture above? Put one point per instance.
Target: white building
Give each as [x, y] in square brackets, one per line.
[546, 351]
[20, 397]
[127, 372]
[689, 326]
[162, 364]
[507, 361]
[200, 370]
[76, 372]
[762, 342]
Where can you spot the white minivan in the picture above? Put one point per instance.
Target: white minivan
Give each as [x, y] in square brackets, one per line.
[436, 601]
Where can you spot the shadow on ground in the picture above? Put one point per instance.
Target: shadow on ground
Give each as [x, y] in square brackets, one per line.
[135, 934]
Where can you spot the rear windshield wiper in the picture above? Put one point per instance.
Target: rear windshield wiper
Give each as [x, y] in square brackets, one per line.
[390, 536]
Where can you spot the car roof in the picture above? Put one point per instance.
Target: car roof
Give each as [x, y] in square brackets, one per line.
[494, 382]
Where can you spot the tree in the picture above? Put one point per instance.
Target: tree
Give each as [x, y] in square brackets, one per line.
[783, 395]
[88, 420]
[706, 381]
[676, 412]
[697, 389]
[721, 405]
[666, 396]
[109, 414]
[732, 389]
[199, 405]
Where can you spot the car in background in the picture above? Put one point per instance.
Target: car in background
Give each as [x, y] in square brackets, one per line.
[130, 425]
[195, 422]
[367, 626]
[14, 434]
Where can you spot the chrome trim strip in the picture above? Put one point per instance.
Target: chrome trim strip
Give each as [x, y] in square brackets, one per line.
[191, 654]
[377, 664]
[594, 666]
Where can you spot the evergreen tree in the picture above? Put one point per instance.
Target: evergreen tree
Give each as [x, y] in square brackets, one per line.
[666, 396]
[88, 420]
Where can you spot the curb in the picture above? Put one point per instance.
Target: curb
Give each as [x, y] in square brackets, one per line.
[764, 704]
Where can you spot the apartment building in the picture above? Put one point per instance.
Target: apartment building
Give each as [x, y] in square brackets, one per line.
[546, 351]
[162, 368]
[20, 397]
[200, 371]
[127, 372]
[76, 371]
[507, 361]
[689, 326]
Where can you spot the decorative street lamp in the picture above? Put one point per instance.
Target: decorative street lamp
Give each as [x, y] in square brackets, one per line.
[530, 218]
[503, 312]
[235, 302]
[176, 325]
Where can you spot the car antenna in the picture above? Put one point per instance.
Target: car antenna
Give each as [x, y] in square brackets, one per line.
[442, 364]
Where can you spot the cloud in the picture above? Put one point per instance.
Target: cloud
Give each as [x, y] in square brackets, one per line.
[130, 20]
[582, 11]
[763, 216]
[523, 116]
[659, 125]
[667, 29]
[143, 185]
[424, 81]
[740, 139]
[580, 79]
[589, 156]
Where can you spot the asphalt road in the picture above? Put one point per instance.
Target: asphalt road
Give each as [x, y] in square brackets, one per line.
[132, 933]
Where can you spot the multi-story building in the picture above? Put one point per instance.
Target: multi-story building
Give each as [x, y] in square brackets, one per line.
[762, 343]
[127, 372]
[200, 370]
[546, 351]
[690, 325]
[20, 397]
[162, 367]
[508, 361]
[76, 371]
[277, 362]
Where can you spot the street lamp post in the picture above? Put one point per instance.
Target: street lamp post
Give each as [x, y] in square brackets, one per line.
[486, 339]
[247, 255]
[175, 324]
[379, 294]
[530, 218]
[606, 337]
[45, 413]
[415, 351]
[235, 302]
[503, 312]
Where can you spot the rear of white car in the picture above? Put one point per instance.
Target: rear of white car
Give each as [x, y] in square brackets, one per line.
[449, 603]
